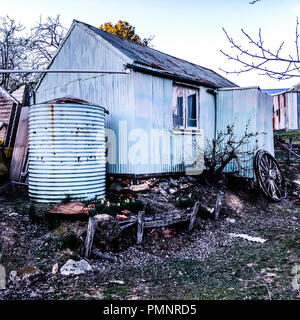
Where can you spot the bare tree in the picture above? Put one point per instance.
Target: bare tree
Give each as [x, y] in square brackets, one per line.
[46, 37]
[257, 56]
[19, 50]
[13, 52]
[227, 147]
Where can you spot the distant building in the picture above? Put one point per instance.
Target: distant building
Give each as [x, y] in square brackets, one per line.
[286, 108]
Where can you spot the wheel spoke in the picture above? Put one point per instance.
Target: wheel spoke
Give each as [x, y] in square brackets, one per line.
[277, 188]
[264, 164]
[269, 175]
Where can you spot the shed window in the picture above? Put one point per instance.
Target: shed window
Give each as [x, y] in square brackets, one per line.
[184, 107]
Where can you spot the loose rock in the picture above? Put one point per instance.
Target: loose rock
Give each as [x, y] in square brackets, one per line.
[103, 217]
[115, 187]
[173, 183]
[172, 190]
[72, 267]
[139, 187]
[55, 268]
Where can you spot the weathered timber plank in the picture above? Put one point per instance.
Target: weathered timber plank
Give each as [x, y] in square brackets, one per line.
[165, 222]
[218, 205]
[92, 225]
[20, 147]
[194, 215]
[140, 228]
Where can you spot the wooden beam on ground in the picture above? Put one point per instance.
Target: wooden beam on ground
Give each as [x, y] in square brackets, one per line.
[218, 205]
[140, 226]
[101, 255]
[19, 156]
[194, 215]
[92, 225]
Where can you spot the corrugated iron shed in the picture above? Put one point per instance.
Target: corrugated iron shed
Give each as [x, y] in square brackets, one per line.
[140, 128]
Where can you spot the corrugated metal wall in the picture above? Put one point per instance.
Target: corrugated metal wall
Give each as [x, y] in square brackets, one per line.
[285, 115]
[264, 125]
[238, 107]
[163, 149]
[66, 152]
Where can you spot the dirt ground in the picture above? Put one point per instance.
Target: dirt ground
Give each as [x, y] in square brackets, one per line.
[207, 263]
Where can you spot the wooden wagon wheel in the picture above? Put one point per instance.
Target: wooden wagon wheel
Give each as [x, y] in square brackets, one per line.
[269, 176]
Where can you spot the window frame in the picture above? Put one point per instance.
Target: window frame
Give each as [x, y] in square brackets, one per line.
[185, 106]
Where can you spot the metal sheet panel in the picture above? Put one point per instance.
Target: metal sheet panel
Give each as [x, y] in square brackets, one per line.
[264, 113]
[207, 114]
[66, 152]
[162, 148]
[238, 107]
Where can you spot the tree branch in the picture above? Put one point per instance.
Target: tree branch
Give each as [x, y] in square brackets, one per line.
[258, 57]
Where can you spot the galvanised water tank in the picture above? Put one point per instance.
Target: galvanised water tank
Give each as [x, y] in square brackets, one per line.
[66, 150]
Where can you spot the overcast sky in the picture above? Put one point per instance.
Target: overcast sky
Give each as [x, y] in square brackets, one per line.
[189, 29]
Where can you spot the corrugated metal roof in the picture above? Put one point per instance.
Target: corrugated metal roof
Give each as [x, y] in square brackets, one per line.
[149, 59]
[274, 91]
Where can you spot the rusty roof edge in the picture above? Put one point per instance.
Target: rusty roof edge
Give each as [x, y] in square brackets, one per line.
[160, 72]
[180, 59]
[73, 100]
[239, 88]
[293, 87]
[285, 90]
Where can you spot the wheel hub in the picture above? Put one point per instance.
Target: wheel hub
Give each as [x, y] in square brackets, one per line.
[272, 174]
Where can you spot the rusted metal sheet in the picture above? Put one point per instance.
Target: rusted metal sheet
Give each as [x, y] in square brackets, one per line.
[285, 111]
[286, 107]
[66, 152]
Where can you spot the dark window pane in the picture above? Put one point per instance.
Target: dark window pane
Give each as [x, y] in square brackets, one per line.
[191, 111]
[178, 114]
